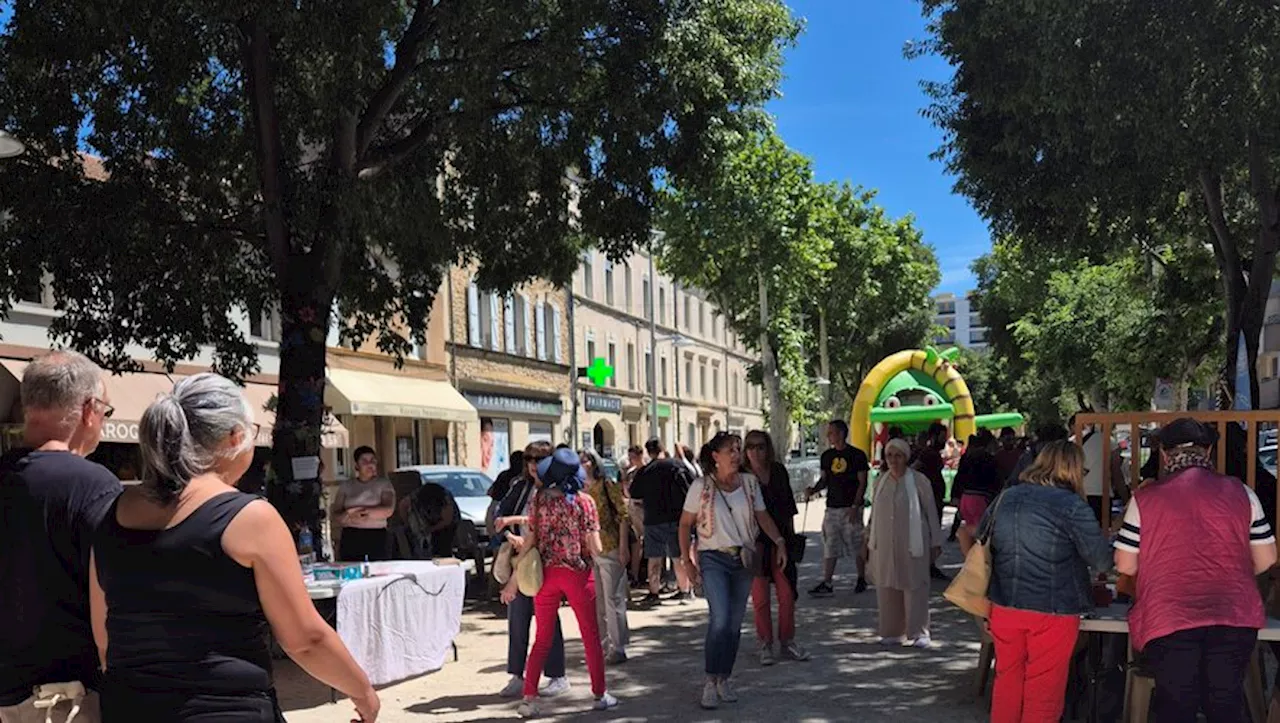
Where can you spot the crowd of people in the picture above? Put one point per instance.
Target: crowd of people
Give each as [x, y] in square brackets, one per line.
[155, 602]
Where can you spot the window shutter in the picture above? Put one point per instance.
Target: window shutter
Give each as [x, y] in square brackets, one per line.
[555, 335]
[509, 322]
[528, 326]
[540, 317]
[473, 315]
[495, 334]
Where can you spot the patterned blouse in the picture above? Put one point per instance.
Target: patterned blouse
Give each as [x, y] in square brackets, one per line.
[561, 526]
[612, 508]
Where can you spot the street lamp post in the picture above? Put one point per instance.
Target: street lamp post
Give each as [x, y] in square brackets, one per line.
[10, 147]
[655, 238]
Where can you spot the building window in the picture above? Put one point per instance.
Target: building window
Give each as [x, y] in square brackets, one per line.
[631, 366]
[715, 325]
[978, 336]
[588, 271]
[613, 364]
[715, 384]
[644, 290]
[733, 388]
[702, 318]
[608, 283]
[649, 386]
[626, 285]
[662, 305]
[263, 323]
[591, 348]
[702, 381]
[688, 315]
[691, 437]
[688, 376]
[406, 452]
[664, 375]
[524, 332]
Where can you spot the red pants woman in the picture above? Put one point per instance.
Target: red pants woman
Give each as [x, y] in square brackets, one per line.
[579, 588]
[1033, 659]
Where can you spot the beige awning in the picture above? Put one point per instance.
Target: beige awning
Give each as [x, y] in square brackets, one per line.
[332, 435]
[385, 395]
[129, 394]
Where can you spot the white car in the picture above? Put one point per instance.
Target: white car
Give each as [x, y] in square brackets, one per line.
[470, 489]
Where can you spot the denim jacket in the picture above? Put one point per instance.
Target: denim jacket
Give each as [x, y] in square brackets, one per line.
[1043, 542]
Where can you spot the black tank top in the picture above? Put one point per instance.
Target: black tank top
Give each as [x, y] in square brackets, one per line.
[182, 616]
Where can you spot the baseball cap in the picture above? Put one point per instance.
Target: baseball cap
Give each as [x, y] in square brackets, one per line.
[1187, 432]
[563, 465]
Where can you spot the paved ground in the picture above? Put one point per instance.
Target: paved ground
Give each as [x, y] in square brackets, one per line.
[849, 676]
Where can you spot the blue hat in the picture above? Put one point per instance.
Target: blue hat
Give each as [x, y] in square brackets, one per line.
[562, 469]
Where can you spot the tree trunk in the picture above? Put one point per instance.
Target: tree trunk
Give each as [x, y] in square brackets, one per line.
[779, 412]
[824, 371]
[304, 313]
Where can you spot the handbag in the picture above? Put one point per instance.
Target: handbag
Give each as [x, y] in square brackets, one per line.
[747, 552]
[968, 591]
[502, 563]
[528, 569]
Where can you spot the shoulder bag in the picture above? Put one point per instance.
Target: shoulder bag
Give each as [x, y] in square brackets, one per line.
[968, 591]
[747, 552]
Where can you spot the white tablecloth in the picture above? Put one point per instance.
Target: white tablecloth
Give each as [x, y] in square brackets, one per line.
[402, 622]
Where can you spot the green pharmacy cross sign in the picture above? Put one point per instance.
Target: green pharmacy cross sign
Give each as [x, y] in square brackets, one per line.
[599, 372]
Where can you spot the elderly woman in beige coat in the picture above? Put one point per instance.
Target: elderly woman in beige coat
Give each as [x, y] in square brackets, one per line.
[904, 538]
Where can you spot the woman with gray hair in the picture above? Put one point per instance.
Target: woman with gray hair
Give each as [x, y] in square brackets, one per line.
[188, 575]
[903, 541]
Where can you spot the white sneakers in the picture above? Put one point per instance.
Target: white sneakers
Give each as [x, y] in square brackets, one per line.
[710, 696]
[606, 702]
[923, 642]
[726, 692]
[514, 688]
[554, 687]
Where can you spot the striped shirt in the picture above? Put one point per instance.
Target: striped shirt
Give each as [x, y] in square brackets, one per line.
[1260, 532]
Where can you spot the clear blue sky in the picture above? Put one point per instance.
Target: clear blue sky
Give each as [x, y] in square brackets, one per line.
[852, 102]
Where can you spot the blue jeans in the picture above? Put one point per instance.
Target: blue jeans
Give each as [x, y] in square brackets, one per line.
[726, 584]
[519, 619]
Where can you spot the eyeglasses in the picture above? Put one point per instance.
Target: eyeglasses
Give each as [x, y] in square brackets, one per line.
[107, 409]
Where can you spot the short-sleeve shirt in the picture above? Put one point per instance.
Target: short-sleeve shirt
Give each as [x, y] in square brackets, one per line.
[562, 525]
[841, 469]
[355, 493]
[1130, 537]
[735, 524]
[51, 505]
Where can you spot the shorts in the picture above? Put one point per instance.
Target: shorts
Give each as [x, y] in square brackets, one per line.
[841, 536]
[662, 540]
[972, 507]
[635, 511]
[27, 712]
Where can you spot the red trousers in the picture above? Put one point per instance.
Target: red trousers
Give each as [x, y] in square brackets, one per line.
[1033, 659]
[579, 588]
[786, 606]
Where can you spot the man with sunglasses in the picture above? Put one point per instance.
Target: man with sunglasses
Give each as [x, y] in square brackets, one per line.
[52, 500]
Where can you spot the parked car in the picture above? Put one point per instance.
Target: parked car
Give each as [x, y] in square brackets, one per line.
[470, 489]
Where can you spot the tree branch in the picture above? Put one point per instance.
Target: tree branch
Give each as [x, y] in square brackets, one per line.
[268, 148]
[1224, 243]
[392, 153]
[407, 50]
[1264, 255]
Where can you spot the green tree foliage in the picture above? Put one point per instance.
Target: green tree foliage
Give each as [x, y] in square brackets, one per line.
[828, 258]
[342, 155]
[750, 237]
[1068, 335]
[875, 294]
[1090, 124]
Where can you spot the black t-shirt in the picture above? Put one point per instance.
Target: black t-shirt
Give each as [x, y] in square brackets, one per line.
[840, 469]
[51, 504]
[662, 485]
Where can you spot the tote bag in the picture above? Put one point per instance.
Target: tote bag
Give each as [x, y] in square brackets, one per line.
[968, 591]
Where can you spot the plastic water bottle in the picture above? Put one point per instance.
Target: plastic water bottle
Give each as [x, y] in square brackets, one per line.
[364, 571]
[305, 541]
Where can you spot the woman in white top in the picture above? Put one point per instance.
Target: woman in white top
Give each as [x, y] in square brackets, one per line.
[904, 538]
[727, 508]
